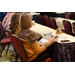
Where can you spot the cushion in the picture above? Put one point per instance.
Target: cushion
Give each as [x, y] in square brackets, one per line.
[5, 41]
[48, 60]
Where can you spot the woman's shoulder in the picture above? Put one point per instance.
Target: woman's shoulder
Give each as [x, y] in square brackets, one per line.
[27, 35]
[30, 33]
[32, 36]
[26, 32]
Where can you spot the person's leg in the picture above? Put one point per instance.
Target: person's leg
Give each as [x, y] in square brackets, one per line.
[44, 55]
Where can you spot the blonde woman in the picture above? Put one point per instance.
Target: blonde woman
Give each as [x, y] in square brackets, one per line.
[33, 50]
[14, 23]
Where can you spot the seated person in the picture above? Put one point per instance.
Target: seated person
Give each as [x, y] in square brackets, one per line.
[51, 14]
[14, 23]
[34, 51]
[43, 13]
[6, 20]
[72, 15]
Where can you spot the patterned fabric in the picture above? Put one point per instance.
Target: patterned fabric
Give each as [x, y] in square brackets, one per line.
[27, 35]
[10, 57]
[64, 52]
[6, 20]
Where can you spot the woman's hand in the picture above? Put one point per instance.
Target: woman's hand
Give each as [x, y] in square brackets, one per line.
[51, 41]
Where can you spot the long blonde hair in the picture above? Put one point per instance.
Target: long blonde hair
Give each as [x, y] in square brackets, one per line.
[14, 22]
[25, 21]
